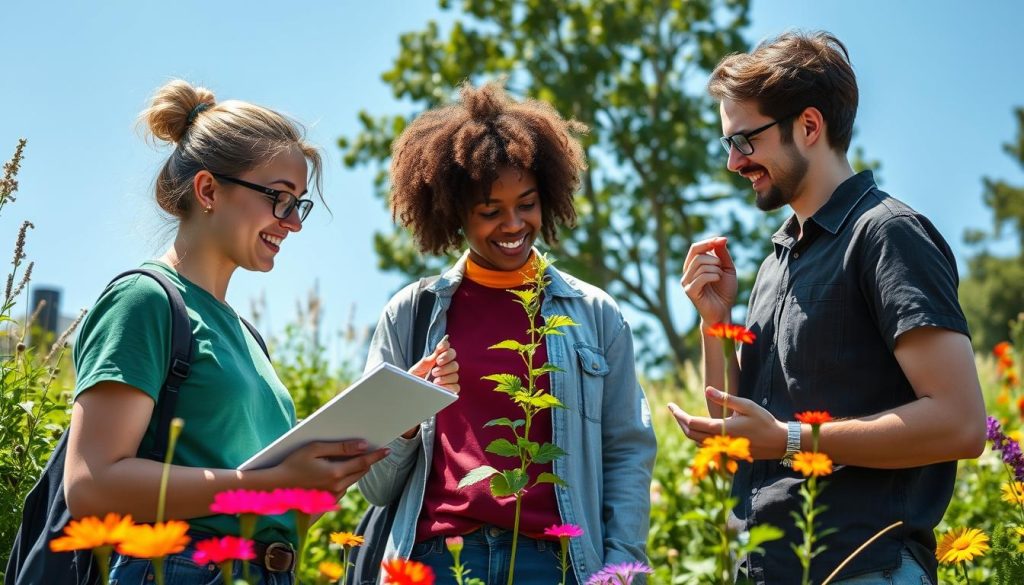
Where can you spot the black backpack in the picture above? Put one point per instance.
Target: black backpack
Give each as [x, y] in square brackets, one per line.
[375, 525]
[46, 512]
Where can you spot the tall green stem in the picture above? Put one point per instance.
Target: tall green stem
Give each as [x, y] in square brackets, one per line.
[515, 538]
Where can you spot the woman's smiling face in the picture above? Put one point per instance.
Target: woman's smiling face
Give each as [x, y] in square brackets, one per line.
[502, 228]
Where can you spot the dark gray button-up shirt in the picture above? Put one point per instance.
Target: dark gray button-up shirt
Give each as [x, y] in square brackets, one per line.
[827, 309]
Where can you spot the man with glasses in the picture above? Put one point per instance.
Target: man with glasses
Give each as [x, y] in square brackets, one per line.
[855, 312]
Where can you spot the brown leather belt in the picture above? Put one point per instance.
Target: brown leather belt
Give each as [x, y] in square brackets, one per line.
[276, 557]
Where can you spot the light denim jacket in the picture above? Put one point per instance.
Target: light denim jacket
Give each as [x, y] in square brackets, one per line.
[605, 429]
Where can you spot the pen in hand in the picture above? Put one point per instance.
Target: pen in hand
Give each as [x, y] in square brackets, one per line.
[427, 376]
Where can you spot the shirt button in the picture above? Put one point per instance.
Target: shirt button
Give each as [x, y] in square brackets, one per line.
[594, 365]
[796, 255]
[764, 402]
[753, 491]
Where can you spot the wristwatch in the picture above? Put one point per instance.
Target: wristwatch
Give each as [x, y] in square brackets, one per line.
[792, 442]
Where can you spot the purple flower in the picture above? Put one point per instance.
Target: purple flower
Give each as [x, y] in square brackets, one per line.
[618, 574]
[1011, 452]
[994, 432]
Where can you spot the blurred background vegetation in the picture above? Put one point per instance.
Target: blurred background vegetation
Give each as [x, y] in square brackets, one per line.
[629, 69]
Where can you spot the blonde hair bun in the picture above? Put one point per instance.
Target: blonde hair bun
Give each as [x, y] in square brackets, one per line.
[173, 109]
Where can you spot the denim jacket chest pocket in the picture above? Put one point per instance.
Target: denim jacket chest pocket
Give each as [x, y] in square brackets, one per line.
[593, 369]
[813, 327]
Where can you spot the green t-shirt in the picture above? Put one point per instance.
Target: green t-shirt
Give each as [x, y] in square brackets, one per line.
[233, 403]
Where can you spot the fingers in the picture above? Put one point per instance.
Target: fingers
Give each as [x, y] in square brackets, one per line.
[703, 247]
[737, 404]
[348, 448]
[350, 471]
[696, 428]
[442, 355]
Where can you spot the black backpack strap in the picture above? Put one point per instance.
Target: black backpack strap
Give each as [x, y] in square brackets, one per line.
[180, 364]
[425, 299]
[257, 336]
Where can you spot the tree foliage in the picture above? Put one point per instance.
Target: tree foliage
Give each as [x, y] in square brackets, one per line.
[634, 71]
[994, 288]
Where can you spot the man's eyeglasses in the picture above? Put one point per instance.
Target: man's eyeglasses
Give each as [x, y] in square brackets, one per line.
[741, 140]
[284, 202]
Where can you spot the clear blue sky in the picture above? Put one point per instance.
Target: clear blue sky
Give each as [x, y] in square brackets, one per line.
[938, 82]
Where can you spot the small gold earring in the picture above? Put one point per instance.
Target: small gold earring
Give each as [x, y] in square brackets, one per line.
[209, 208]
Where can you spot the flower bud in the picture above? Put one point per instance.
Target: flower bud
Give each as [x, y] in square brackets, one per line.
[454, 544]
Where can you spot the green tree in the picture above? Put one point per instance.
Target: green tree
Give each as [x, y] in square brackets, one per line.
[633, 70]
[993, 292]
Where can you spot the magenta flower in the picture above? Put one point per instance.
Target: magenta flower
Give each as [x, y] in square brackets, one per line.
[241, 502]
[221, 550]
[310, 502]
[563, 531]
[618, 574]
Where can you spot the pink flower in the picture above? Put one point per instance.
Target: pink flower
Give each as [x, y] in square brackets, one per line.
[220, 550]
[242, 502]
[310, 502]
[454, 544]
[563, 531]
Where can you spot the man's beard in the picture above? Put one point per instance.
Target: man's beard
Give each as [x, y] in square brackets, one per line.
[784, 183]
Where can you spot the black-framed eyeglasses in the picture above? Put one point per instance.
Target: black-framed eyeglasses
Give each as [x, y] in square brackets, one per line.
[741, 140]
[284, 202]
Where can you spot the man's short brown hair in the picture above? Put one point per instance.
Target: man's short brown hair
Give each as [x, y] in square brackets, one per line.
[792, 72]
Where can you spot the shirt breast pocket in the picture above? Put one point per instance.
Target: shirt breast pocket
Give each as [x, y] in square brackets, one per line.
[814, 322]
[593, 369]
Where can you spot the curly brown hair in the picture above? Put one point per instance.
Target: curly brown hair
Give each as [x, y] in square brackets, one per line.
[448, 158]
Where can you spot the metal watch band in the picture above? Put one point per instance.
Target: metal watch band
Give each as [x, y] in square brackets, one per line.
[792, 442]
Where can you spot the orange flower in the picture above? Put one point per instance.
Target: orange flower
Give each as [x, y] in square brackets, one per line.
[1001, 349]
[151, 541]
[734, 332]
[812, 464]
[91, 532]
[406, 572]
[813, 417]
[346, 539]
[720, 453]
[961, 544]
[331, 571]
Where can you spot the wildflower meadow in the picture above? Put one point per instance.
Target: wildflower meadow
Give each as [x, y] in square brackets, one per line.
[981, 539]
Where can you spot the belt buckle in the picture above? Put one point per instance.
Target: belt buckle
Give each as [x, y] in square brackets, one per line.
[279, 557]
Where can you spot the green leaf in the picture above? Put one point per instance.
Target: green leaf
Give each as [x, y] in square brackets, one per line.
[510, 344]
[528, 446]
[503, 447]
[507, 383]
[547, 453]
[550, 478]
[505, 422]
[544, 401]
[527, 296]
[547, 368]
[763, 533]
[558, 321]
[476, 475]
[508, 482]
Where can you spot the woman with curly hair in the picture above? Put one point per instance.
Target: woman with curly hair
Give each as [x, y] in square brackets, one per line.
[494, 174]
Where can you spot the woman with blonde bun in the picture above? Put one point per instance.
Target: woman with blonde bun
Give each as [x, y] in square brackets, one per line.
[236, 181]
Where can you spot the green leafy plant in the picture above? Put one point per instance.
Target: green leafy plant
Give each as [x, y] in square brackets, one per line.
[33, 386]
[516, 480]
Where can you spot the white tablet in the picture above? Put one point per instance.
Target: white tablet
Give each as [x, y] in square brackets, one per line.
[378, 407]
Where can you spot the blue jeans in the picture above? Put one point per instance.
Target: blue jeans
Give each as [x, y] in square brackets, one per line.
[486, 553]
[908, 573]
[179, 569]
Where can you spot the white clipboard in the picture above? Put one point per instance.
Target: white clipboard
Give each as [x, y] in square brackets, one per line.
[378, 407]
